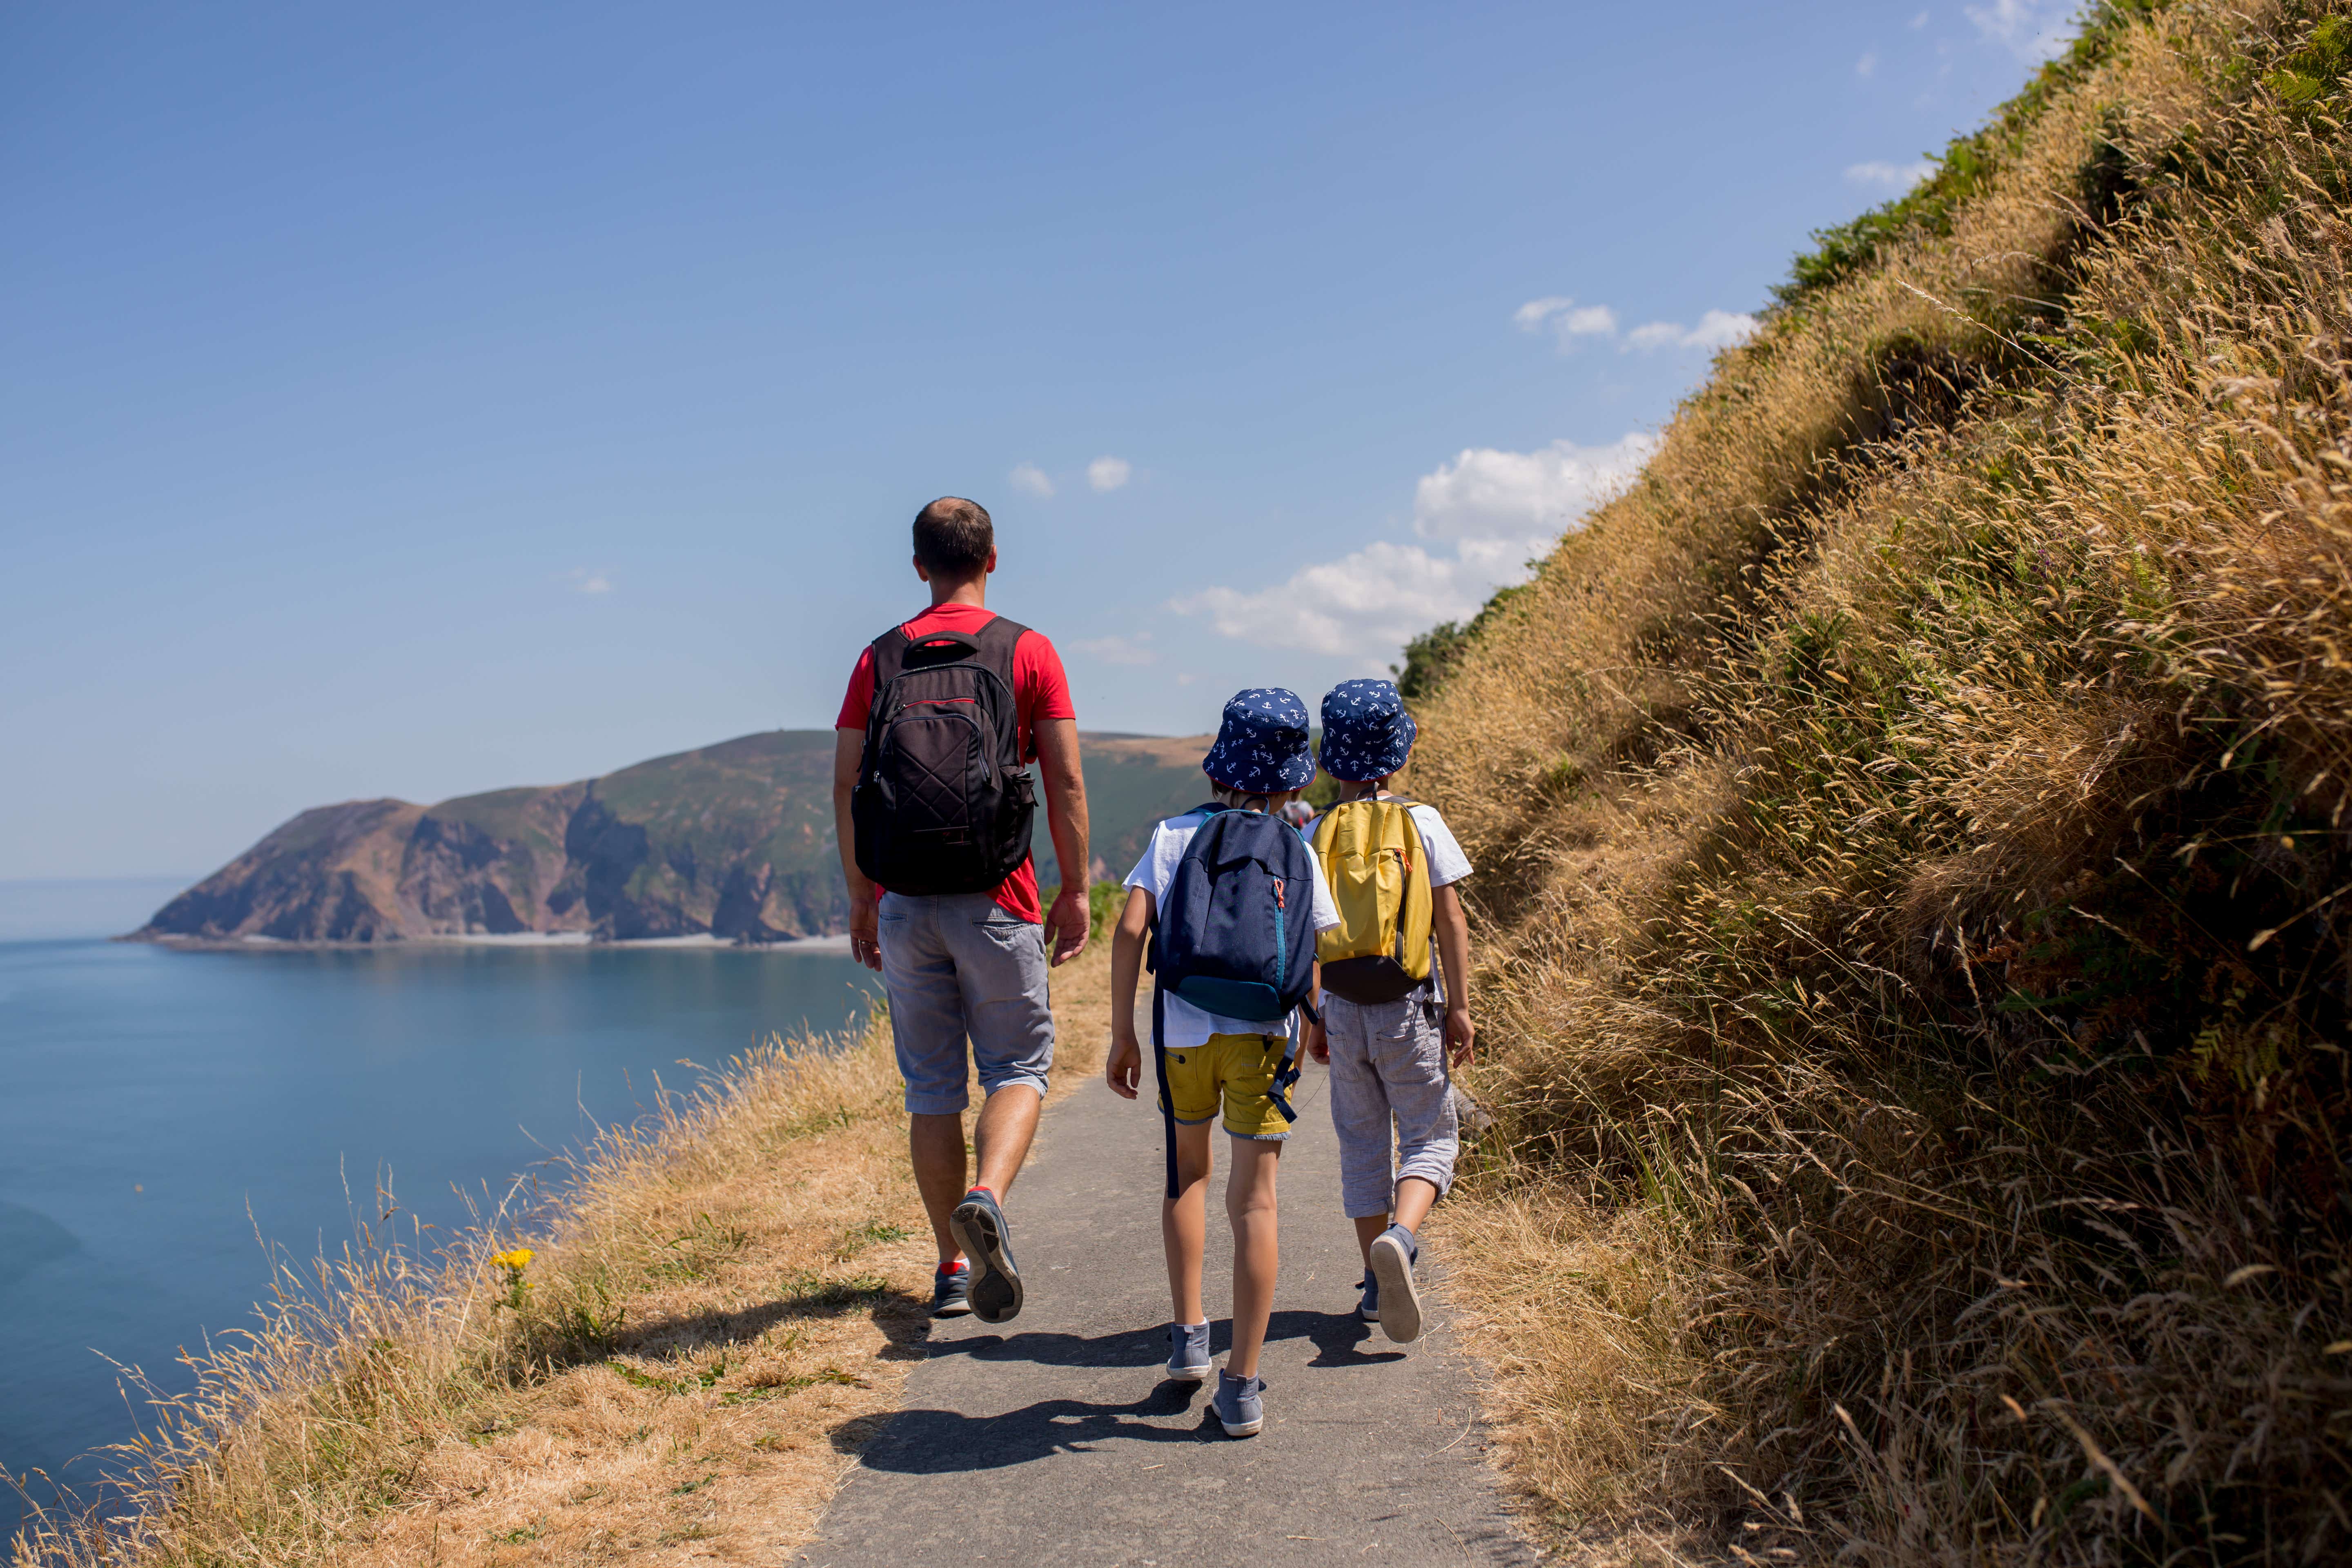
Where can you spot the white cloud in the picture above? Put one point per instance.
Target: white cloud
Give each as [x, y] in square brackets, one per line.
[1867, 66]
[1109, 473]
[2030, 29]
[1716, 330]
[1497, 510]
[1116, 649]
[1918, 21]
[1896, 177]
[1490, 494]
[1566, 319]
[1720, 329]
[1569, 321]
[583, 580]
[1366, 604]
[1529, 317]
[1031, 479]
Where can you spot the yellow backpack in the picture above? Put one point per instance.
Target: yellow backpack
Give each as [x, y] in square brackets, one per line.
[1379, 875]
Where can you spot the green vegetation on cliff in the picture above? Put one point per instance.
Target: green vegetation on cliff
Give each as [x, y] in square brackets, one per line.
[1911, 834]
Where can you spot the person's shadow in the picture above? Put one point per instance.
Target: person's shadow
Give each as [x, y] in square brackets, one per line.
[923, 1442]
[1335, 1336]
[945, 1442]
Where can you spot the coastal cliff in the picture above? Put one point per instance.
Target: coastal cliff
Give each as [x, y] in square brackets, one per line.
[733, 841]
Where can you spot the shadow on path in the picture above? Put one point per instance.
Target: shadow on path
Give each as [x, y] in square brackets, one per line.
[1336, 1337]
[943, 1442]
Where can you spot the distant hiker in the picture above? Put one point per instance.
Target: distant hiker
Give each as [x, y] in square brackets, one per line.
[1392, 865]
[934, 808]
[1231, 898]
[1298, 814]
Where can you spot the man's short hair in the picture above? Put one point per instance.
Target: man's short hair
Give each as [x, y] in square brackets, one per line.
[954, 538]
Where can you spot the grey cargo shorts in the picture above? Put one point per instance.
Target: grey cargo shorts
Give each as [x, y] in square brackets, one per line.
[959, 965]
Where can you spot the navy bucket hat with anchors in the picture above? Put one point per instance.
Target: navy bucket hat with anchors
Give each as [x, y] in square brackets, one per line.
[1366, 733]
[1261, 743]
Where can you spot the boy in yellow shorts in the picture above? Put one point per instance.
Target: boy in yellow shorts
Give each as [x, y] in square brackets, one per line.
[1211, 1064]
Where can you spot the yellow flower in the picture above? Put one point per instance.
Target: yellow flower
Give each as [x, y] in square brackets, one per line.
[517, 1260]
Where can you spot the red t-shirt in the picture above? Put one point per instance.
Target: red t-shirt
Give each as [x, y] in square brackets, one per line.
[1040, 692]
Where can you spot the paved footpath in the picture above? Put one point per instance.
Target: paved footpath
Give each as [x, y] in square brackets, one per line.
[1054, 1440]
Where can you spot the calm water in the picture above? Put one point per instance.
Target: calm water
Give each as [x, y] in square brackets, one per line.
[158, 1107]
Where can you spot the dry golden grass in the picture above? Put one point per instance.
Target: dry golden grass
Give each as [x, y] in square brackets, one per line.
[1911, 846]
[721, 1307]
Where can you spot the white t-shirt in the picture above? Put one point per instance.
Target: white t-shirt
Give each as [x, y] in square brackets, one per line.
[1188, 1027]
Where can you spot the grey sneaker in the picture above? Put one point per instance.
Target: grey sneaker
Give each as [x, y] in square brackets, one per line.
[952, 1291]
[1368, 1309]
[1393, 1254]
[1239, 1405]
[978, 1228]
[1187, 1352]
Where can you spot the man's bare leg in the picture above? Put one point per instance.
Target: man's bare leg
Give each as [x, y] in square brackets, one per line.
[1007, 1125]
[935, 1143]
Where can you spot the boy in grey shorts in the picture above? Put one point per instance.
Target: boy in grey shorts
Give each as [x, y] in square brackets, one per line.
[1389, 1060]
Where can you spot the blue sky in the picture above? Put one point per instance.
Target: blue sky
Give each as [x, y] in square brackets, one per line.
[419, 400]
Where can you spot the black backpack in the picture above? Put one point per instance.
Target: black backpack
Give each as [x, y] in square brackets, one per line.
[1235, 936]
[942, 803]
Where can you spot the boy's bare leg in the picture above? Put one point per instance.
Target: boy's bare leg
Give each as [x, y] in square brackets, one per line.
[1184, 1224]
[1257, 1249]
[1414, 1199]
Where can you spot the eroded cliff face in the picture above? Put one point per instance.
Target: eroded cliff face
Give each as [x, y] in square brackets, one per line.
[328, 875]
[733, 841]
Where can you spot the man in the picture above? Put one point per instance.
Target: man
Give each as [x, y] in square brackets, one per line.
[919, 771]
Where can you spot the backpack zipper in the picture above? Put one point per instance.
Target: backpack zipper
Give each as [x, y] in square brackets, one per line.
[1281, 947]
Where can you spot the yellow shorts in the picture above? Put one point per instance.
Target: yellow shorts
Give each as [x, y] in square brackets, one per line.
[1242, 1067]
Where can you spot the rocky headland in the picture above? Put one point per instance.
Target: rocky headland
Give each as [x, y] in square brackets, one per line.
[733, 841]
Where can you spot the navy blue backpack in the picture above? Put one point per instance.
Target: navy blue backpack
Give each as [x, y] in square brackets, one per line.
[1235, 936]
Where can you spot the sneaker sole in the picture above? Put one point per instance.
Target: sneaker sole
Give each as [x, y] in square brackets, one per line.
[1400, 1302]
[995, 1286]
[1247, 1429]
[1186, 1374]
[953, 1309]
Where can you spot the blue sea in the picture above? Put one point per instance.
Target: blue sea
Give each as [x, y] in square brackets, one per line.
[167, 1115]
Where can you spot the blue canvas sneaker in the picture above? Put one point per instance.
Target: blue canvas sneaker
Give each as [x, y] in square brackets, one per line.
[1394, 1251]
[978, 1228]
[1368, 1309]
[1240, 1404]
[1187, 1352]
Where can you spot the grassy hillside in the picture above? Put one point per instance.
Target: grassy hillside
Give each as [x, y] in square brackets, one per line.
[1911, 846]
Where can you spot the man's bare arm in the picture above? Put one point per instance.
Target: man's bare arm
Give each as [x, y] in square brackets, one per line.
[865, 943]
[1066, 819]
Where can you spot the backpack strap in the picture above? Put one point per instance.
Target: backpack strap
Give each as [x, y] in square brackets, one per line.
[890, 652]
[995, 644]
[1287, 1074]
[1167, 1095]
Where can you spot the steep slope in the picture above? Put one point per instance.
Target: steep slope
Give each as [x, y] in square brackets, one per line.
[734, 840]
[1910, 823]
